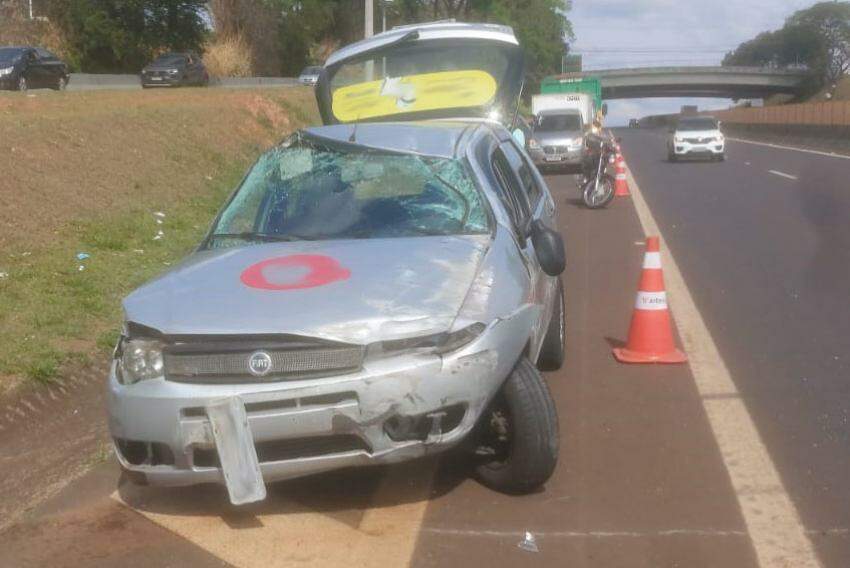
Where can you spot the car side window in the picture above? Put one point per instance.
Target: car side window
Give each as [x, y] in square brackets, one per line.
[532, 190]
[44, 54]
[32, 57]
[511, 194]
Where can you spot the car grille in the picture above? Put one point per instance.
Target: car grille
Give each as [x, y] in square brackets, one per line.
[555, 149]
[699, 140]
[228, 362]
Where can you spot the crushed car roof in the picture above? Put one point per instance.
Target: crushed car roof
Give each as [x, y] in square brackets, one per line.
[440, 139]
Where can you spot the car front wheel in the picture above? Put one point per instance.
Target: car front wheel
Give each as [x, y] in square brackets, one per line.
[518, 434]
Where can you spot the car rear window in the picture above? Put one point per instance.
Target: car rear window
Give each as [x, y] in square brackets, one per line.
[308, 191]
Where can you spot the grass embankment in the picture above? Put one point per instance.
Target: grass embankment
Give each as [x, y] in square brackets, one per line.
[86, 173]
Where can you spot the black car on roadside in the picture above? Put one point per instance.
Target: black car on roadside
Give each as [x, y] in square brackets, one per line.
[175, 70]
[25, 67]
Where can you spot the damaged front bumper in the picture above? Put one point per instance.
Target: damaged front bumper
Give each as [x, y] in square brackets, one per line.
[394, 409]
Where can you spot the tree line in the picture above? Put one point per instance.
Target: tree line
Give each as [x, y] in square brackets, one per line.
[816, 38]
[278, 37]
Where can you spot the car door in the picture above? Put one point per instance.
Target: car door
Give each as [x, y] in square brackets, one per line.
[510, 171]
[32, 70]
[50, 68]
[194, 69]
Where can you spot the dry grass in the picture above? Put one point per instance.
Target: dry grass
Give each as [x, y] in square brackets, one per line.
[229, 57]
[83, 172]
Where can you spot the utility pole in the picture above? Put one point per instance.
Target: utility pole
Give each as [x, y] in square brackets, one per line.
[369, 23]
[30, 7]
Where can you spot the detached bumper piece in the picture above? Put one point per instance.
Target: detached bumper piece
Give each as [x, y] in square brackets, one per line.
[236, 452]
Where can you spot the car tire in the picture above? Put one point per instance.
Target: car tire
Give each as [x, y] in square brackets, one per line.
[551, 356]
[721, 158]
[527, 457]
[22, 84]
[671, 157]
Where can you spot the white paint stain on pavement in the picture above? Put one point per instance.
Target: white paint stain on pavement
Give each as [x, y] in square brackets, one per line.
[774, 526]
[781, 174]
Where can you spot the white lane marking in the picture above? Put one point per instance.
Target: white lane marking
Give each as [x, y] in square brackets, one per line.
[781, 174]
[584, 534]
[777, 533]
[792, 148]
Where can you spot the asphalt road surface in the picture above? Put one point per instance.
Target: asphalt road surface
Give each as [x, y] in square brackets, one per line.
[660, 466]
[763, 241]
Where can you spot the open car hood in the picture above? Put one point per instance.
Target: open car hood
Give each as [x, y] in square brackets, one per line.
[423, 71]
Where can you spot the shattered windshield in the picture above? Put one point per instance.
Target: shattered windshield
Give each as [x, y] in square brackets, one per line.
[308, 191]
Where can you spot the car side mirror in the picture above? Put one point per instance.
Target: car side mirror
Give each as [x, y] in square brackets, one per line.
[549, 248]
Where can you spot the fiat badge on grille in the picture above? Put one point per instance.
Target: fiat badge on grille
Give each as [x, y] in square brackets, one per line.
[260, 364]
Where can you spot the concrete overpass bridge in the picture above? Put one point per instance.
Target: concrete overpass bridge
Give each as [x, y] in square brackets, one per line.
[723, 82]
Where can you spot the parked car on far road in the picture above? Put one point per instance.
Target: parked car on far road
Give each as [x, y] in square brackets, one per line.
[310, 75]
[696, 136]
[23, 68]
[175, 70]
[634, 123]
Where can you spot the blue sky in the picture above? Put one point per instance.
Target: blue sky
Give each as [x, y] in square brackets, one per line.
[668, 32]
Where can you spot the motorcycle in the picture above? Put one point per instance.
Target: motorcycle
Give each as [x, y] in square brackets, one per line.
[597, 185]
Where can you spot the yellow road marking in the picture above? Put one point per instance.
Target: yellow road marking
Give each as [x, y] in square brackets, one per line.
[774, 526]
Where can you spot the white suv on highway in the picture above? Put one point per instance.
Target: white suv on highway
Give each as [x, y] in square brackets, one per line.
[696, 136]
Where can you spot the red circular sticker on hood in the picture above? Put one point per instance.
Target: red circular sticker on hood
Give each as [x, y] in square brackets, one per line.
[294, 272]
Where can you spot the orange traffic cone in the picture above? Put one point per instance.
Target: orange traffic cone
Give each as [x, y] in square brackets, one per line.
[621, 186]
[650, 333]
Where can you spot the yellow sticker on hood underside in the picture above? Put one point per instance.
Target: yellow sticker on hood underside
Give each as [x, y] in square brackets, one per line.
[414, 93]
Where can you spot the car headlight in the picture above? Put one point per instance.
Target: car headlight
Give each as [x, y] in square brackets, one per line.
[173, 71]
[6, 71]
[138, 360]
[439, 343]
[678, 139]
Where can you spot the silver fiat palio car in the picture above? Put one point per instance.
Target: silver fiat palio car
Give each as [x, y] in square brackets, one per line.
[378, 288]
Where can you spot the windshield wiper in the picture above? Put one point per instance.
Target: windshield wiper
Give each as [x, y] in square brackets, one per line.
[262, 237]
